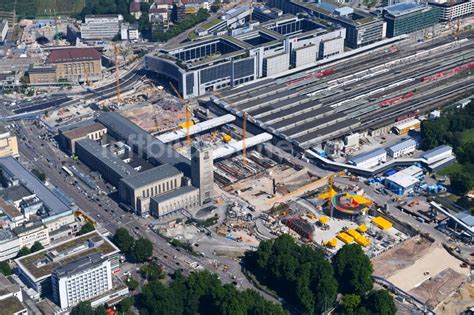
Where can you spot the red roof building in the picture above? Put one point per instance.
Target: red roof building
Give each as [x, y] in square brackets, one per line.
[73, 55]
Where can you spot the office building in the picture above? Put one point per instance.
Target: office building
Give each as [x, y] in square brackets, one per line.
[9, 244]
[202, 168]
[451, 10]
[11, 297]
[36, 270]
[136, 190]
[100, 27]
[31, 232]
[402, 148]
[54, 203]
[186, 197]
[8, 143]
[361, 27]
[13, 216]
[103, 160]
[369, 159]
[76, 64]
[81, 280]
[94, 131]
[42, 74]
[232, 60]
[408, 17]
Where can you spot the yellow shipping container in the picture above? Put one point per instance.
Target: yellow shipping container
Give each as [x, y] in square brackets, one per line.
[382, 223]
[346, 238]
[362, 228]
[362, 241]
[331, 243]
[353, 233]
[323, 219]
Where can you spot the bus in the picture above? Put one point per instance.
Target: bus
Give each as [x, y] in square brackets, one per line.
[67, 171]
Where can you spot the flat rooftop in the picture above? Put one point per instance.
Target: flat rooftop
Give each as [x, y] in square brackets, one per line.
[174, 193]
[150, 176]
[41, 264]
[50, 200]
[10, 305]
[403, 8]
[107, 157]
[84, 131]
[144, 144]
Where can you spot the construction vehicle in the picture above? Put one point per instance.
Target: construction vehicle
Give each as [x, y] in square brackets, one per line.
[226, 138]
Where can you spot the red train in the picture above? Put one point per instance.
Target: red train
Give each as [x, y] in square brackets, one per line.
[397, 99]
[313, 75]
[442, 74]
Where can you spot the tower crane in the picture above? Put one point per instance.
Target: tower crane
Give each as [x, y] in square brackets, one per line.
[117, 68]
[244, 138]
[188, 122]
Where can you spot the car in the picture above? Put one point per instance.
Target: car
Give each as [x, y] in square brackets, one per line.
[100, 205]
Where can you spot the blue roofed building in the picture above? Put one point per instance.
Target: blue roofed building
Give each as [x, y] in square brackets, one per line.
[408, 17]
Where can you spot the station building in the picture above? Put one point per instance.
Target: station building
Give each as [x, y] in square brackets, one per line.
[408, 17]
[229, 61]
[118, 149]
[137, 190]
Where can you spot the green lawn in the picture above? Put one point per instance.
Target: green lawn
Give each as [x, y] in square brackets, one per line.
[468, 135]
[454, 168]
[43, 8]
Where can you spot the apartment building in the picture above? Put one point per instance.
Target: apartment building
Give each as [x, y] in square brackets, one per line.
[81, 280]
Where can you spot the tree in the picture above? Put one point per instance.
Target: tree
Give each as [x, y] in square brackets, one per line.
[100, 310]
[461, 183]
[216, 6]
[125, 304]
[142, 250]
[132, 284]
[41, 176]
[123, 240]
[151, 272]
[353, 270]
[36, 247]
[299, 274]
[23, 251]
[83, 308]
[86, 228]
[350, 303]
[5, 268]
[380, 302]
